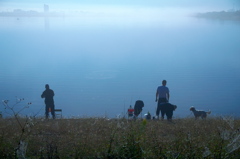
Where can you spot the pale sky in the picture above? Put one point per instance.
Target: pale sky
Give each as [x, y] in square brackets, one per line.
[216, 4]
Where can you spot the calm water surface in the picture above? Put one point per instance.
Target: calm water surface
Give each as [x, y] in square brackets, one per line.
[99, 66]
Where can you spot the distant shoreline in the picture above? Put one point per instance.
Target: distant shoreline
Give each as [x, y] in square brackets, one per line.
[222, 15]
[21, 13]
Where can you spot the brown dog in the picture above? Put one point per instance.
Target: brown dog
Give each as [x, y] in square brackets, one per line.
[199, 113]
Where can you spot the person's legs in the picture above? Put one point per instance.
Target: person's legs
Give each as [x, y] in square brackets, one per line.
[161, 102]
[47, 111]
[158, 109]
[163, 112]
[53, 111]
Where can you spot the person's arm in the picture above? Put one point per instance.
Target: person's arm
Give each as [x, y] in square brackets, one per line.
[43, 96]
[156, 96]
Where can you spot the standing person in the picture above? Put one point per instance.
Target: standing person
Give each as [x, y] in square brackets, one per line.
[130, 112]
[48, 95]
[162, 96]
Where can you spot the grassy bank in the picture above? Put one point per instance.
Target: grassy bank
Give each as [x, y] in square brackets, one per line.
[119, 138]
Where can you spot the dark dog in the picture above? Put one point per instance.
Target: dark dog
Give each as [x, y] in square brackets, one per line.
[166, 108]
[199, 113]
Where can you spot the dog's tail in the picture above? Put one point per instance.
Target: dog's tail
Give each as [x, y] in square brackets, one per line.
[209, 112]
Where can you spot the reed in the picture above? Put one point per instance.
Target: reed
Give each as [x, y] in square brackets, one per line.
[217, 137]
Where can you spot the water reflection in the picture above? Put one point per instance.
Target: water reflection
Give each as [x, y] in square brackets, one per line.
[46, 23]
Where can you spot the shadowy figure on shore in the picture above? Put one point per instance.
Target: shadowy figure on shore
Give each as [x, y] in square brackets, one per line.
[50, 107]
[162, 96]
[138, 108]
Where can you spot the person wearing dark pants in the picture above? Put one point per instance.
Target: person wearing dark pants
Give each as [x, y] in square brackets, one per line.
[162, 96]
[48, 95]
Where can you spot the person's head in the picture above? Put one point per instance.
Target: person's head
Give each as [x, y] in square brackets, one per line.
[47, 86]
[164, 82]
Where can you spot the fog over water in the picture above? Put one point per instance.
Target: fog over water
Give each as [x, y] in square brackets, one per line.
[101, 58]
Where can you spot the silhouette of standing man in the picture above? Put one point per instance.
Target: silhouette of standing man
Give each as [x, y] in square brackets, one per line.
[48, 95]
[162, 96]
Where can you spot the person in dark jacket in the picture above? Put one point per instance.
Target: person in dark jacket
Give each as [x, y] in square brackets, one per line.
[48, 95]
[138, 107]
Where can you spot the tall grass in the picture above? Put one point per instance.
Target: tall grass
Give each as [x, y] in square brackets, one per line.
[217, 137]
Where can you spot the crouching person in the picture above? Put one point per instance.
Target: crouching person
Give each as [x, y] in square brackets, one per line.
[166, 108]
[138, 108]
[148, 116]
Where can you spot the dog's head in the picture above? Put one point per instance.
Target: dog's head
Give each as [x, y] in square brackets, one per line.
[174, 107]
[192, 108]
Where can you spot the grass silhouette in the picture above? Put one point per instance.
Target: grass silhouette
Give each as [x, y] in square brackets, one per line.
[217, 137]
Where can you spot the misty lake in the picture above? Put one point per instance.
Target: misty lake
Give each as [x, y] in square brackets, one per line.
[100, 66]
